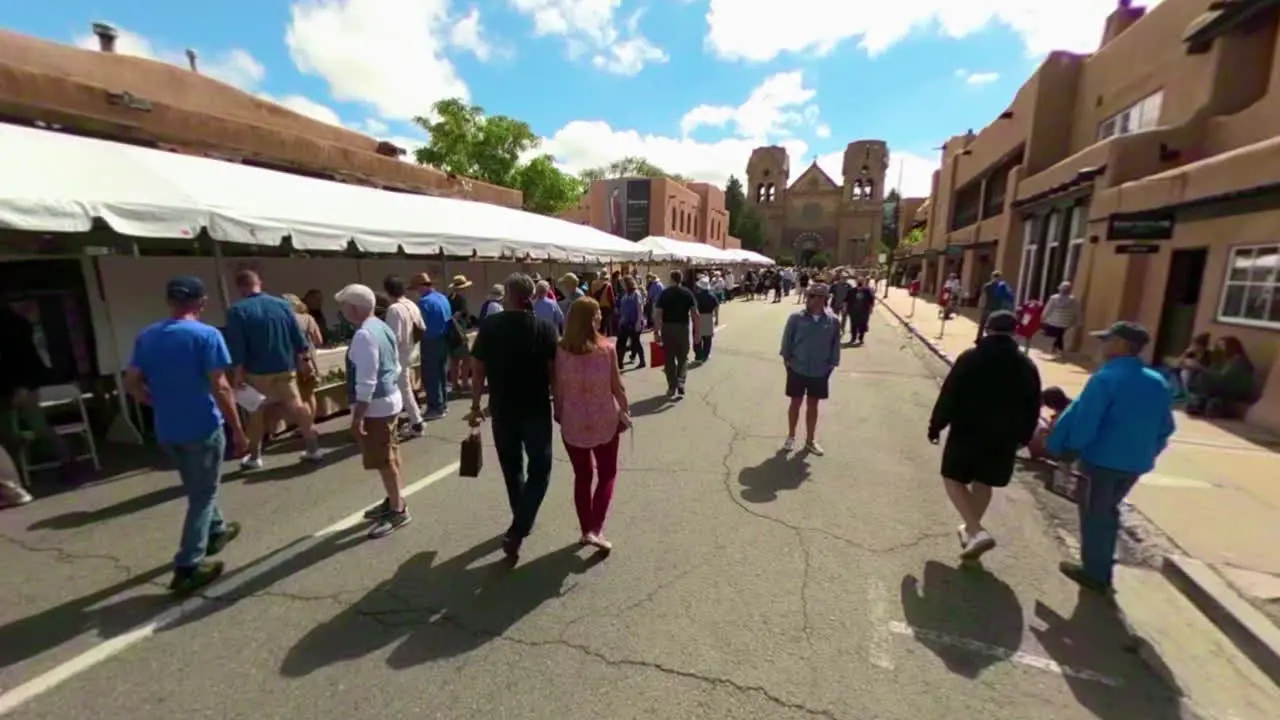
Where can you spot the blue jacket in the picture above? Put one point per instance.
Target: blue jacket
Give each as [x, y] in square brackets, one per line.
[263, 335]
[811, 344]
[1121, 421]
[435, 315]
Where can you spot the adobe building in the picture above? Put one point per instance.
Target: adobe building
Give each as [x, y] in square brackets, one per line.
[815, 213]
[637, 207]
[1147, 173]
[146, 102]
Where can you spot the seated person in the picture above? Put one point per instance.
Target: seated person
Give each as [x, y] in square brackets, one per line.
[1055, 401]
[1194, 360]
[1226, 384]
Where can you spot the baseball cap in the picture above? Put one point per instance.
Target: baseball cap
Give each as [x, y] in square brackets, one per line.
[185, 289]
[1134, 333]
[818, 290]
[1002, 321]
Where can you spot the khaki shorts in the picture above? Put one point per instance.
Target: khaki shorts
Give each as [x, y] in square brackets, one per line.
[307, 388]
[279, 388]
[379, 445]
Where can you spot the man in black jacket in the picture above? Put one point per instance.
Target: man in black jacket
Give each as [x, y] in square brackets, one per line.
[991, 403]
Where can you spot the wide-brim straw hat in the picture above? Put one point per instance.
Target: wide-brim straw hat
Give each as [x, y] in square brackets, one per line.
[460, 282]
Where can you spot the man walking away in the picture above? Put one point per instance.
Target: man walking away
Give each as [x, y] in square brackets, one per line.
[515, 351]
[1119, 424]
[436, 318]
[840, 291]
[860, 301]
[179, 368]
[269, 352]
[674, 314]
[996, 295]
[405, 321]
[630, 322]
[546, 307]
[708, 311]
[810, 353]
[991, 403]
[373, 371]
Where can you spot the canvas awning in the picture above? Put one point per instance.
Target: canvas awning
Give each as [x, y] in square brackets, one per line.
[670, 250]
[54, 182]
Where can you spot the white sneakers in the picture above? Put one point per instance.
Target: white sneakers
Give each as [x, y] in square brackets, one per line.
[976, 546]
[810, 446]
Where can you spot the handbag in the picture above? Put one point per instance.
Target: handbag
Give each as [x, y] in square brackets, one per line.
[471, 458]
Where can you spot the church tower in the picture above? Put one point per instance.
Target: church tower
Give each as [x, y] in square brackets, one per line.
[865, 165]
[768, 171]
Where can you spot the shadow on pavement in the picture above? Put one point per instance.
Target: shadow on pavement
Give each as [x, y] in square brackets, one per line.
[28, 637]
[438, 611]
[1093, 641]
[651, 406]
[288, 470]
[137, 503]
[967, 616]
[763, 483]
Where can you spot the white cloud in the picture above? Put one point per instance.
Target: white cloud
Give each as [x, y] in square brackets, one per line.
[234, 67]
[778, 104]
[387, 53]
[822, 131]
[755, 29]
[591, 27]
[468, 34]
[306, 106]
[977, 78]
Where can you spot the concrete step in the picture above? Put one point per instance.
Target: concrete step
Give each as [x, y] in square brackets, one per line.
[1218, 681]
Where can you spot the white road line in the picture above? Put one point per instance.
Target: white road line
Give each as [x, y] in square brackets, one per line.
[107, 649]
[880, 641]
[1014, 656]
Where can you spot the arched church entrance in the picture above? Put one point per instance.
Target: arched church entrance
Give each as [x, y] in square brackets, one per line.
[807, 245]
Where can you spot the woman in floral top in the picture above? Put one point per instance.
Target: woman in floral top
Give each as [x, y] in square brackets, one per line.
[591, 407]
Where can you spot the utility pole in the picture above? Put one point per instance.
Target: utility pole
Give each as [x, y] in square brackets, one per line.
[897, 208]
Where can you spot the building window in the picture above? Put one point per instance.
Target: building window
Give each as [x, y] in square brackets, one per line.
[1027, 268]
[1142, 115]
[1047, 282]
[1075, 243]
[673, 218]
[1251, 292]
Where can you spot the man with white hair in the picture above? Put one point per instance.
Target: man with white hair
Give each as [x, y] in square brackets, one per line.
[545, 307]
[373, 372]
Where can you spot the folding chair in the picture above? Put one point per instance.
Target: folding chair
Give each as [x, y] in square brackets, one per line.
[51, 397]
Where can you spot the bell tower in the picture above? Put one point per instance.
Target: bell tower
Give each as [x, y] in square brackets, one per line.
[865, 165]
[768, 172]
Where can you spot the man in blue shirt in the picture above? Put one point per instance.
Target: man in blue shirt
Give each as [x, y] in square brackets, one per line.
[811, 353]
[995, 296]
[436, 316]
[545, 307]
[1117, 427]
[179, 368]
[269, 351]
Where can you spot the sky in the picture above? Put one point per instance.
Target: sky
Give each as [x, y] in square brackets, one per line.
[691, 85]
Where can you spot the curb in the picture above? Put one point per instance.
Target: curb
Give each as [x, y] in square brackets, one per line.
[915, 332]
[1255, 635]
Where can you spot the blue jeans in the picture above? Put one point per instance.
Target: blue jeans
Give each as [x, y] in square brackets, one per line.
[199, 465]
[1099, 496]
[435, 357]
[513, 439]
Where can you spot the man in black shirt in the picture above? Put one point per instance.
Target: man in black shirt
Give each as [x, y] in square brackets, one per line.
[515, 351]
[675, 322]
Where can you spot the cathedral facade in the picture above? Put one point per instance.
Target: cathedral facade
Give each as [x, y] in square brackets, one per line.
[815, 214]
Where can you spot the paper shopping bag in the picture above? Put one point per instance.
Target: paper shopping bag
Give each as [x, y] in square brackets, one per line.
[471, 460]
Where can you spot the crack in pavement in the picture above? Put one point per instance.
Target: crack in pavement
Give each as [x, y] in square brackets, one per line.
[64, 556]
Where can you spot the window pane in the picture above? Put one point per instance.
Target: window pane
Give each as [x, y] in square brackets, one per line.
[1077, 222]
[1107, 129]
[1274, 315]
[1073, 261]
[1256, 302]
[1151, 111]
[1233, 302]
[1238, 267]
[1263, 267]
[1123, 123]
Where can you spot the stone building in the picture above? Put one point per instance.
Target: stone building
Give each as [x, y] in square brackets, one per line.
[815, 213]
[637, 207]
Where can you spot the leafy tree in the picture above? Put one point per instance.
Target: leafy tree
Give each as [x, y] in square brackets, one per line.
[629, 166]
[889, 225]
[744, 223]
[466, 142]
[914, 237]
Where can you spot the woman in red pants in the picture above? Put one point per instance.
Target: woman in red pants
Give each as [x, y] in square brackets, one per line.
[591, 407]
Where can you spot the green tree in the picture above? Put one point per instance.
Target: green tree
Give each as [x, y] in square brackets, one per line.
[466, 142]
[744, 222]
[629, 166]
[889, 225]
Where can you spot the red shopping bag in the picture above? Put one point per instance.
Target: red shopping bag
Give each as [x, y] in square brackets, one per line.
[657, 354]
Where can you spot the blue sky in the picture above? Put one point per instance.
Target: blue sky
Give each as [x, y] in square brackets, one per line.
[692, 85]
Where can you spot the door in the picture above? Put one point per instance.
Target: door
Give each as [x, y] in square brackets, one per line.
[1181, 302]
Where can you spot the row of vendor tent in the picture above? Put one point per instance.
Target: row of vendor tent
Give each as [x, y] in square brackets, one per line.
[665, 249]
[55, 182]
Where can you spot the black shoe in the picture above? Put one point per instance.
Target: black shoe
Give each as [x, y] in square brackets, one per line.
[511, 546]
[1076, 574]
[391, 522]
[187, 580]
[680, 391]
[379, 511]
[219, 542]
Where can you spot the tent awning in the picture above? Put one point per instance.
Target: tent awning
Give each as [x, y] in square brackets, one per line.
[55, 182]
[668, 249]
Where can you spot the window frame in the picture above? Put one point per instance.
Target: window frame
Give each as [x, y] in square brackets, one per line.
[1141, 115]
[1228, 283]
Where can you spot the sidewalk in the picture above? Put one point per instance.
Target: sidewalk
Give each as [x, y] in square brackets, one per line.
[1215, 491]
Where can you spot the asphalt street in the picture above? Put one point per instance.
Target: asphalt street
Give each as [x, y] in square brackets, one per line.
[745, 582]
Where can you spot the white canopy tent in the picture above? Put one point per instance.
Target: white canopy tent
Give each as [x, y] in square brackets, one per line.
[751, 258]
[55, 182]
[665, 249]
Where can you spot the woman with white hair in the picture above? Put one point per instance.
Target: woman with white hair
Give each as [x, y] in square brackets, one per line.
[373, 373]
[1061, 313]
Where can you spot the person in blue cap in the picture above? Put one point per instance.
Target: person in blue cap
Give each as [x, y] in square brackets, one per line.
[1116, 428]
[179, 368]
